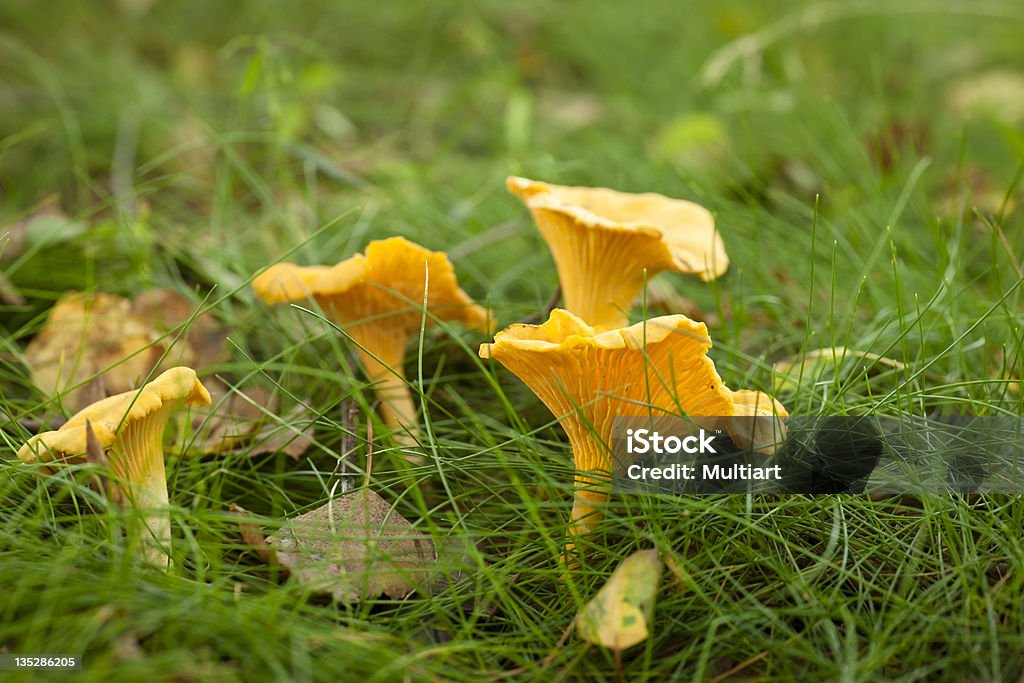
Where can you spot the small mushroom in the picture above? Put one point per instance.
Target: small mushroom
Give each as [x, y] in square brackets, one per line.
[603, 242]
[378, 299]
[757, 421]
[587, 378]
[131, 425]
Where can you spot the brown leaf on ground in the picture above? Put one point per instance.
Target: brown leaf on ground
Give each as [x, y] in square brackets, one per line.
[356, 547]
[96, 345]
[205, 339]
[252, 535]
[228, 425]
[275, 437]
[246, 421]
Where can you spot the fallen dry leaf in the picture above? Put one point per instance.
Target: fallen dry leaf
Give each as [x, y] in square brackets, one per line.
[356, 547]
[96, 345]
[619, 616]
[246, 422]
[818, 361]
[165, 309]
[228, 424]
[252, 535]
[274, 437]
[45, 223]
[998, 93]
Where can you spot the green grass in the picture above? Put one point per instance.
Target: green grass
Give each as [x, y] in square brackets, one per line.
[194, 146]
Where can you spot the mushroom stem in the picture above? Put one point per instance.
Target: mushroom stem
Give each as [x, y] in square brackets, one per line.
[131, 425]
[139, 477]
[396, 403]
[382, 353]
[591, 491]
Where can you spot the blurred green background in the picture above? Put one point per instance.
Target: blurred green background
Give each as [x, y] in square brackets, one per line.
[201, 142]
[863, 160]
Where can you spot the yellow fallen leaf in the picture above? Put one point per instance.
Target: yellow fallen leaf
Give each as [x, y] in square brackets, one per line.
[819, 361]
[619, 616]
[85, 335]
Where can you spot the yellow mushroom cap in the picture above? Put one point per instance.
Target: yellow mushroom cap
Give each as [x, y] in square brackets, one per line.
[177, 386]
[378, 298]
[603, 240]
[757, 403]
[284, 282]
[389, 279]
[586, 378]
[131, 425]
[757, 422]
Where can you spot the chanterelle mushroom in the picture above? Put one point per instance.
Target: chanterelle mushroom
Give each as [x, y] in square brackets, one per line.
[131, 425]
[587, 378]
[378, 299]
[603, 241]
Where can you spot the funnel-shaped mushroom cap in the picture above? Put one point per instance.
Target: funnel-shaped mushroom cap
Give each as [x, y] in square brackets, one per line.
[131, 425]
[585, 378]
[174, 388]
[602, 241]
[284, 282]
[588, 378]
[378, 298]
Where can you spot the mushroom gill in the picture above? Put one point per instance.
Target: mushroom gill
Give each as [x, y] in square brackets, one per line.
[604, 243]
[588, 378]
[131, 425]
